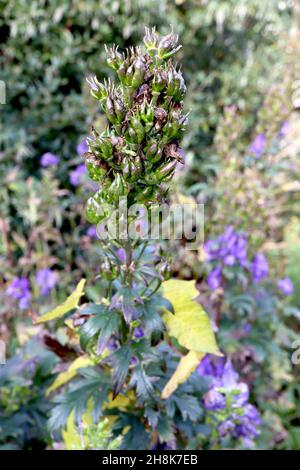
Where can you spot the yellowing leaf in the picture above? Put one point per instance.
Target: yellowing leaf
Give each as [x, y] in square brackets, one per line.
[121, 401]
[185, 368]
[70, 373]
[189, 324]
[70, 435]
[69, 304]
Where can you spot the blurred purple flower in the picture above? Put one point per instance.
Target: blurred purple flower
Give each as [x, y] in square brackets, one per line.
[138, 332]
[112, 344]
[247, 425]
[229, 248]
[226, 427]
[247, 328]
[19, 289]
[286, 286]
[240, 419]
[259, 267]
[92, 231]
[76, 176]
[49, 159]
[258, 145]
[230, 382]
[82, 147]
[214, 279]
[46, 279]
[121, 254]
[213, 400]
[211, 366]
[283, 130]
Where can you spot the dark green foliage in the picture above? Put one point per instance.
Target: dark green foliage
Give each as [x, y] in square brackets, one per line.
[24, 409]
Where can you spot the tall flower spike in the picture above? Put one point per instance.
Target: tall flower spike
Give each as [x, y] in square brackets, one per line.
[141, 148]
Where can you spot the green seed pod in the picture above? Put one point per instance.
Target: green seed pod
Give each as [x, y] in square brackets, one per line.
[130, 171]
[117, 189]
[122, 71]
[160, 81]
[96, 172]
[147, 115]
[170, 131]
[131, 136]
[110, 110]
[151, 40]
[167, 46]
[138, 165]
[108, 271]
[98, 90]
[145, 122]
[144, 194]
[138, 128]
[139, 72]
[129, 75]
[151, 149]
[119, 109]
[176, 87]
[127, 170]
[91, 210]
[165, 170]
[114, 57]
[106, 147]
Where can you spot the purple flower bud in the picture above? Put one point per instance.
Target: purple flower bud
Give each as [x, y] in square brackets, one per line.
[49, 159]
[286, 286]
[76, 176]
[19, 289]
[258, 145]
[46, 279]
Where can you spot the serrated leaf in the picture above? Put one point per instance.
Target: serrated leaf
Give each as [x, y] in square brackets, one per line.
[136, 437]
[69, 374]
[142, 383]
[69, 304]
[188, 406]
[190, 324]
[92, 327]
[93, 385]
[165, 429]
[121, 358]
[187, 365]
[108, 328]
